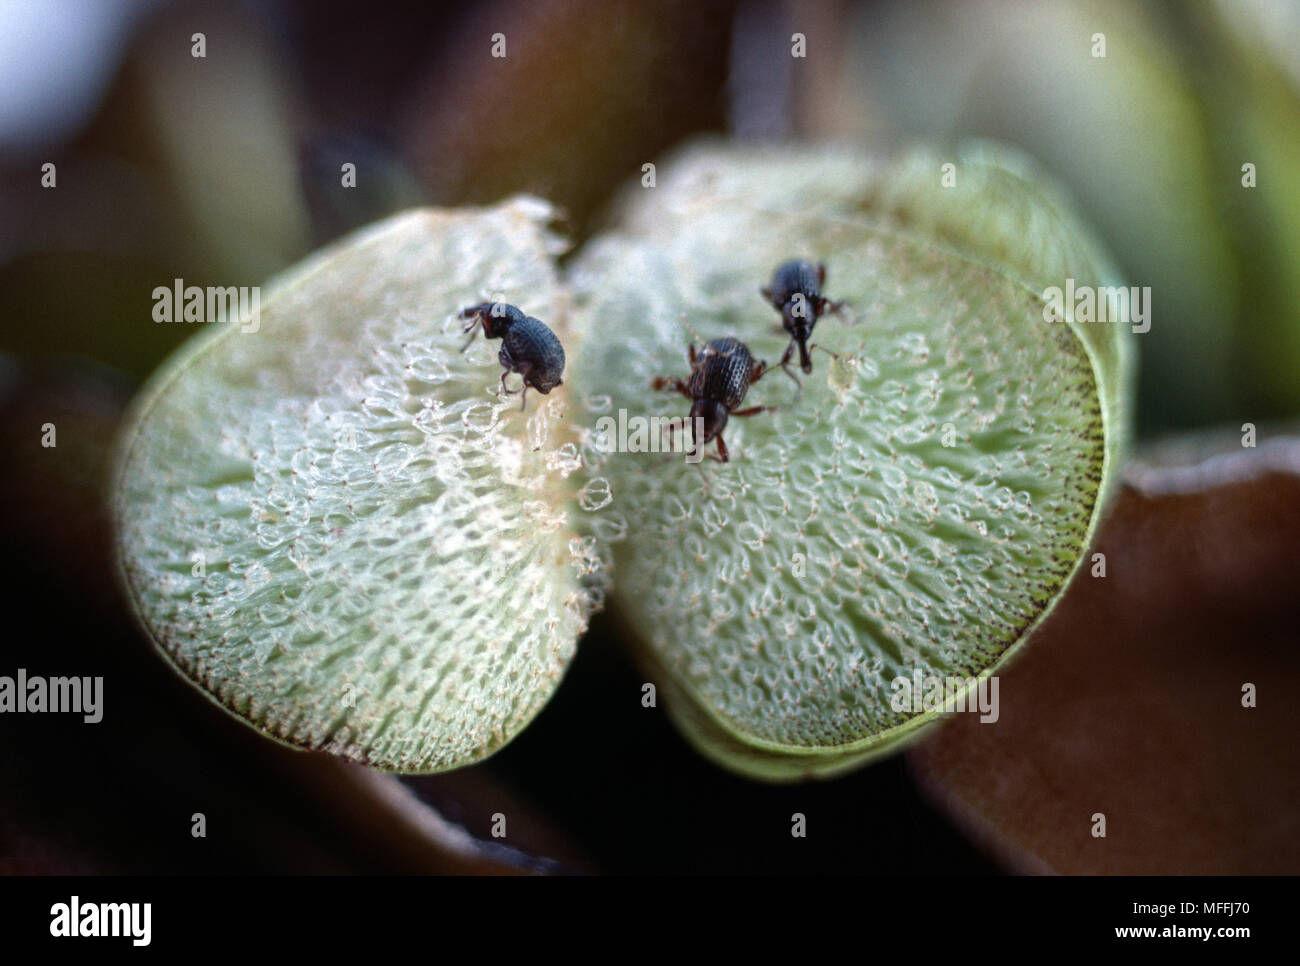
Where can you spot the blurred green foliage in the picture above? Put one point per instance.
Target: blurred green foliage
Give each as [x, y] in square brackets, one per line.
[224, 170]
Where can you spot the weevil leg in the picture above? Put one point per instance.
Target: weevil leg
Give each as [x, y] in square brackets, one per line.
[722, 455]
[508, 366]
[525, 369]
[673, 383]
[821, 274]
[785, 367]
[827, 306]
[704, 478]
[753, 411]
[472, 329]
[504, 390]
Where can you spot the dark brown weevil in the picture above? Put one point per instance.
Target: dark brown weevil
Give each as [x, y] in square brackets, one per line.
[720, 377]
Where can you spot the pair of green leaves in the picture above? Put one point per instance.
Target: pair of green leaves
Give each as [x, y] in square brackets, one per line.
[336, 528]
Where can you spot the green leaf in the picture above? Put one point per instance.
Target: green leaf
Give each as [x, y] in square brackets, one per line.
[777, 597]
[386, 570]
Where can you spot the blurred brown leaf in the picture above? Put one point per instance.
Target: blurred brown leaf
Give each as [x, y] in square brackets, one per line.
[1128, 701]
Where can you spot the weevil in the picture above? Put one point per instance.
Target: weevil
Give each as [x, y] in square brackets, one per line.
[720, 377]
[796, 292]
[528, 346]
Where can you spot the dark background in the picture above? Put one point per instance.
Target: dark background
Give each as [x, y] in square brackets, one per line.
[224, 170]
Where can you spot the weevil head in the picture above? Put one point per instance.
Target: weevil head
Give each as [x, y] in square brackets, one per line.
[713, 416]
[542, 382]
[497, 318]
